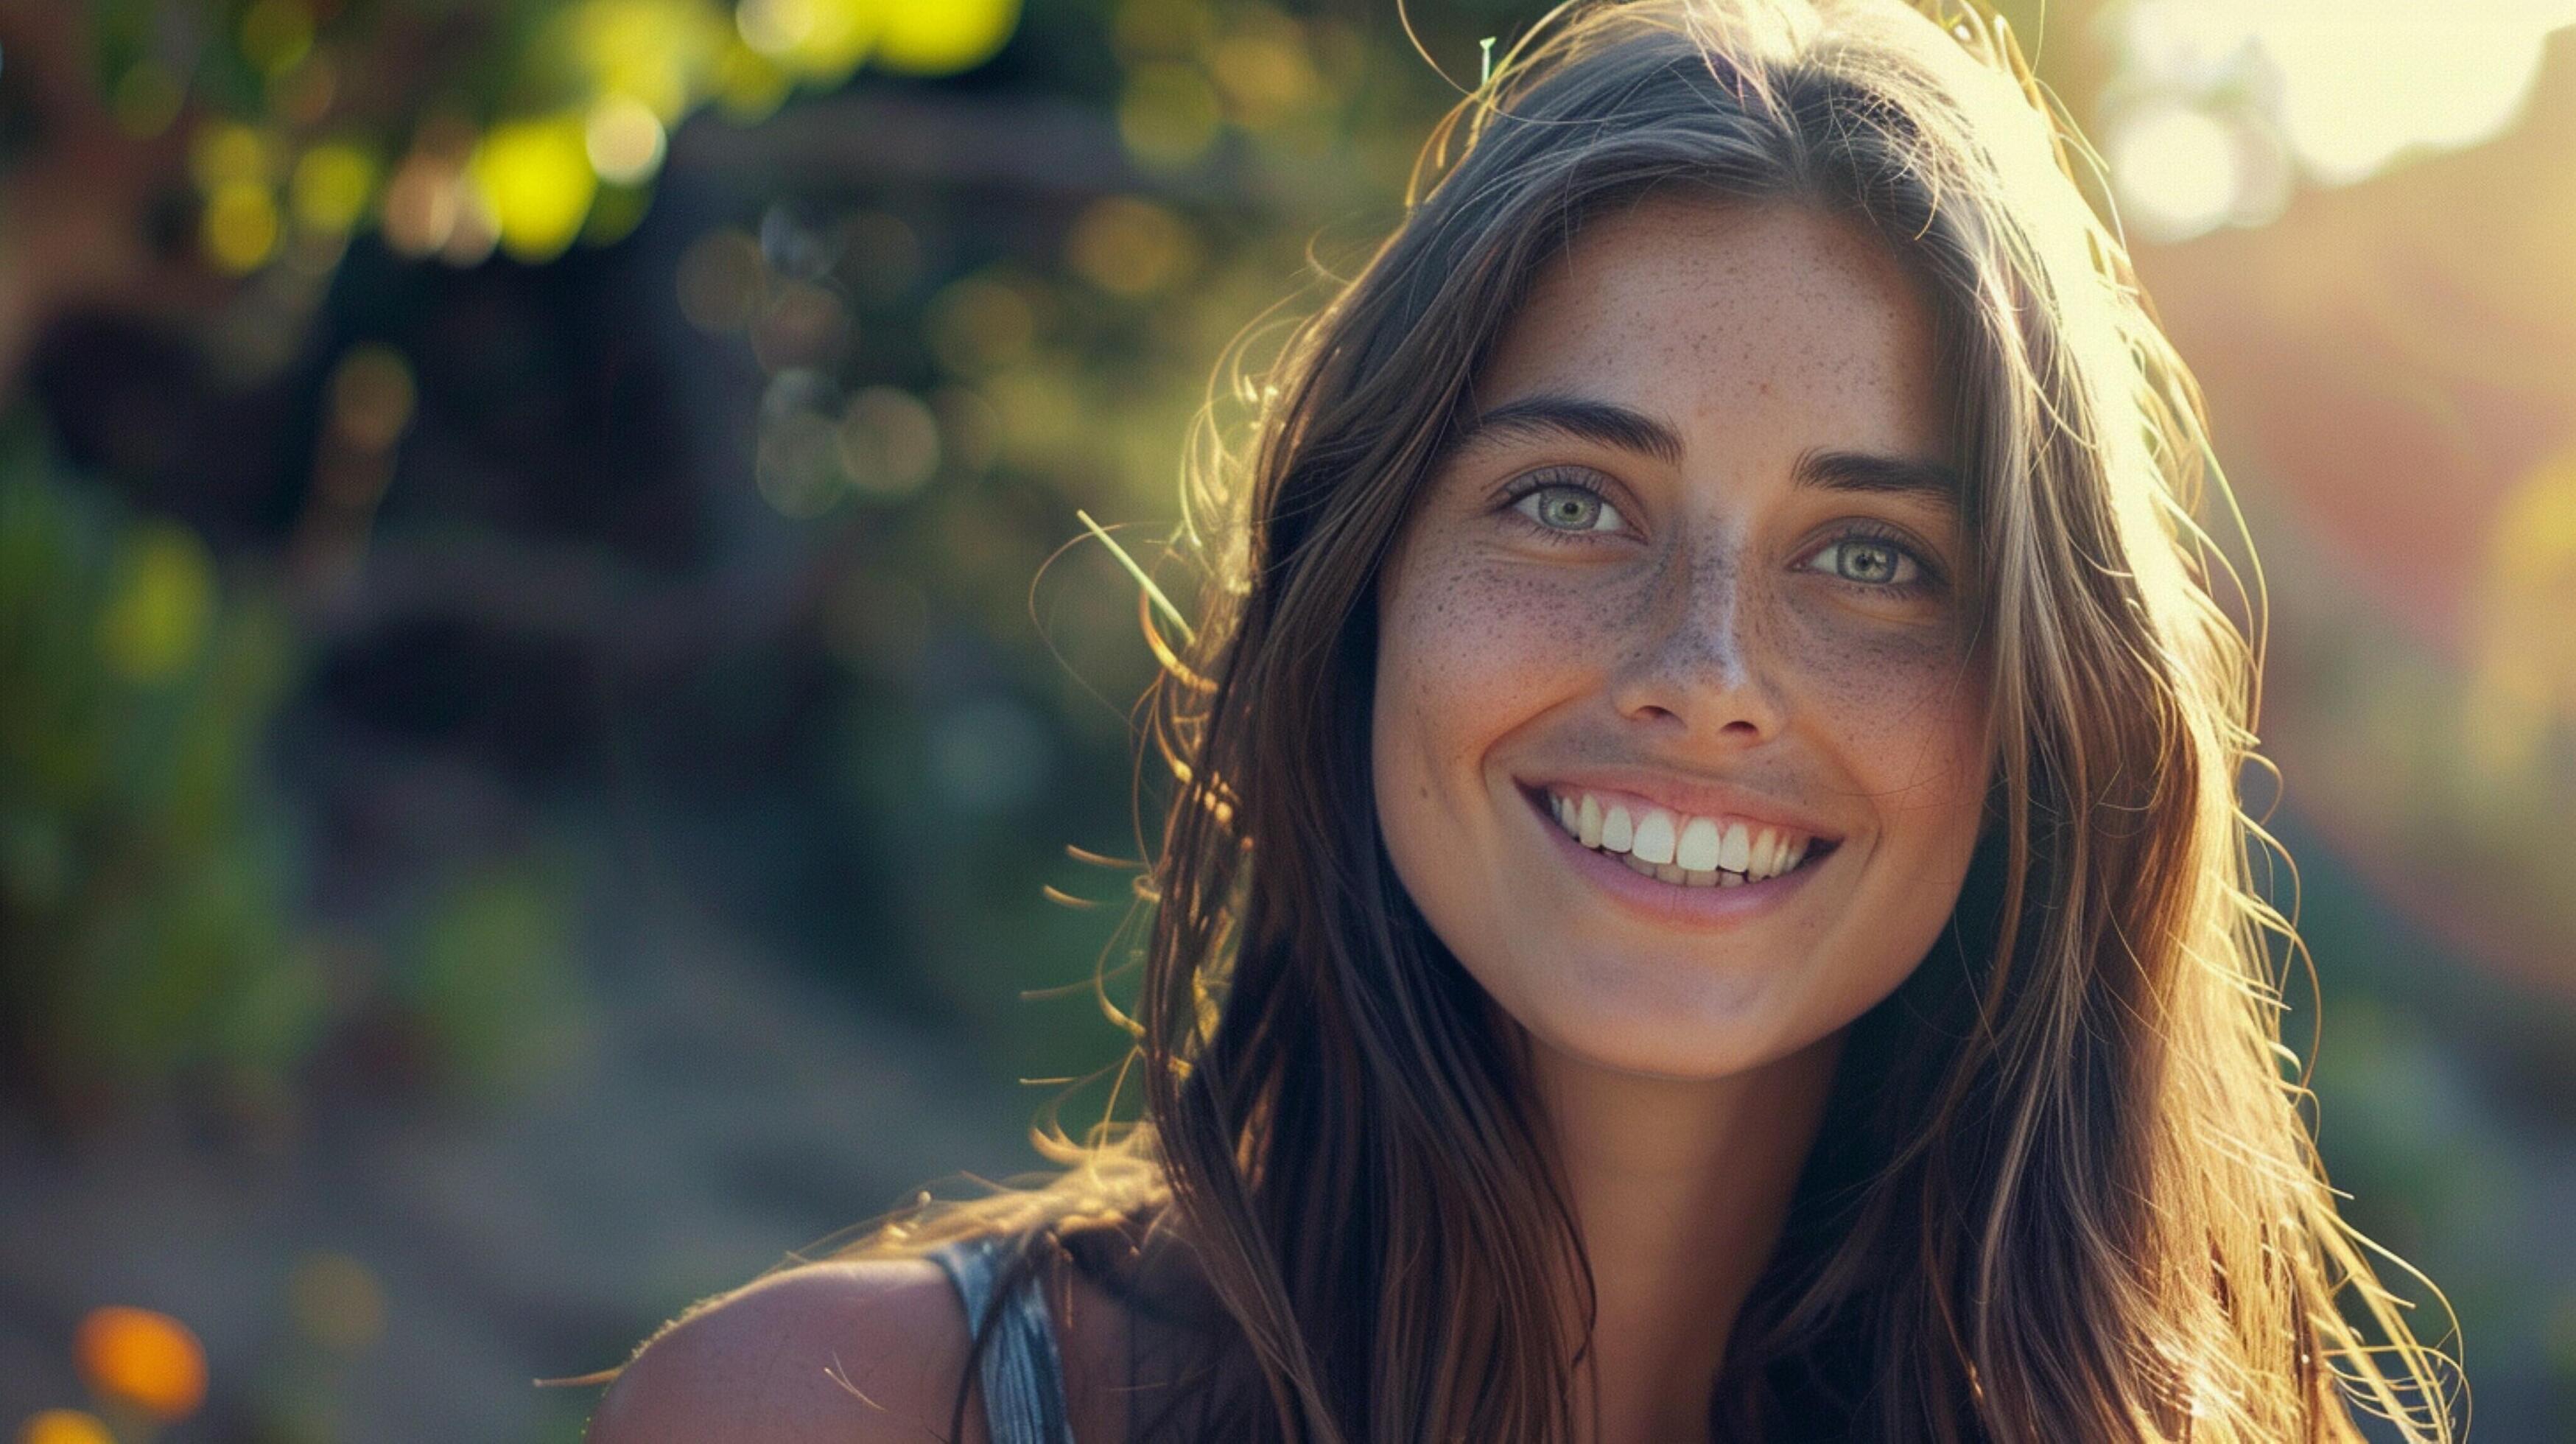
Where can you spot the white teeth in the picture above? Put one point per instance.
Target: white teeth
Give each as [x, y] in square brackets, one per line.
[1698, 850]
[1736, 852]
[1616, 831]
[1691, 852]
[1654, 839]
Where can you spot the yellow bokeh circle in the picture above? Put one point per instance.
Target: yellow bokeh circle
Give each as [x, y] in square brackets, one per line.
[535, 174]
[64, 1426]
[241, 226]
[943, 37]
[155, 623]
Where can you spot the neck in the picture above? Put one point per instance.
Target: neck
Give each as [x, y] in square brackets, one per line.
[1680, 1189]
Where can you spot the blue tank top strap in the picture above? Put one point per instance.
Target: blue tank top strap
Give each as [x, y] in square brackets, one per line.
[1021, 1371]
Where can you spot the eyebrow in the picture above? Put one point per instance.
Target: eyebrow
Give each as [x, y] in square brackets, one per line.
[1610, 424]
[1547, 417]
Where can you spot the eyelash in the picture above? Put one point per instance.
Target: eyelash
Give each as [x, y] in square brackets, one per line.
[1537, 482]
[1928, 577]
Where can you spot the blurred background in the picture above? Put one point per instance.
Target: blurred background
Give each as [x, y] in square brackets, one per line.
[561, 737]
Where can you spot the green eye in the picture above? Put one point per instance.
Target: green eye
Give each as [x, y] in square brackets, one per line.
[1879, 563]
[1564, 509]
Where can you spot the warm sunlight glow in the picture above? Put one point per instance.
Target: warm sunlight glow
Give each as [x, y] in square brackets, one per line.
[2358, 88]
[2349, 87]
[2177, 167]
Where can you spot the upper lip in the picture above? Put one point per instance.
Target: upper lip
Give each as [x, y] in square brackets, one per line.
[1684, 797]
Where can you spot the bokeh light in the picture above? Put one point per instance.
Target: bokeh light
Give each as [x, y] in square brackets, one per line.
[1264, 69]
[64, 1426]
[749, 85]
[332, 187]
[276, 34]
[534, 173]
[156, 619]
[2348, 88]
[798, 323]
[1130, 246]
[820, 39]
[658, 53]
[889, 442]
[147, 98]
[623, 138]
[223, 152]
[421, 204]
[2523, 680]
[2178, 169]
[372, 396]
[476, 232]
[337, 1302]
[979, 324]
[1169, 114]
[2359, 88]
[304, 94]
[144, 1358]
[944, 38]
[242, 226]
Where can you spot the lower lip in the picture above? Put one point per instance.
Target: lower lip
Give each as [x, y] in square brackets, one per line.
[1674, 903]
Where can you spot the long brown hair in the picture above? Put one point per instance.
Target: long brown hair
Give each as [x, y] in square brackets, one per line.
[2063, 1190]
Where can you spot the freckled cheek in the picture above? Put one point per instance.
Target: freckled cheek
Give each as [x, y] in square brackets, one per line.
[1901, 702]
[1471, 653]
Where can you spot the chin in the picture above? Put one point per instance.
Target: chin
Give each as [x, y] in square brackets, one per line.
[1675, 1024]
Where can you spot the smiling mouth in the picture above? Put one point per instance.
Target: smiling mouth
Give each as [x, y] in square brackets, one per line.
[1685, 852]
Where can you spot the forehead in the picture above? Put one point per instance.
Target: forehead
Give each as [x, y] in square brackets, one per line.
[1746, 324]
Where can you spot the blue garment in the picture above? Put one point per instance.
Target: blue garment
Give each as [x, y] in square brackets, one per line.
[1022, 1374]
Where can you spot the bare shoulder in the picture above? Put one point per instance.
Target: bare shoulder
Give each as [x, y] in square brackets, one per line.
[862, 1352]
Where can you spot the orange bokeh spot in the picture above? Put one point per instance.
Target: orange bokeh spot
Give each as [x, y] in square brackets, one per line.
[147, 1359]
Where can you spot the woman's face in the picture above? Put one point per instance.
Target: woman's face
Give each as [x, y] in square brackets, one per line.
[1697, 562]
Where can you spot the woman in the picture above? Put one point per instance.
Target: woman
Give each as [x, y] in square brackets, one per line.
[1706, 897]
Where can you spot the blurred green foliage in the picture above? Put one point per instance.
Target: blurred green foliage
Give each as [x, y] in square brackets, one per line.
[488, 969]
[147, 875]
[956, 375]
[462, 124]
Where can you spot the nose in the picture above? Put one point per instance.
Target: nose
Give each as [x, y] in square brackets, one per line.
[1692, 660]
